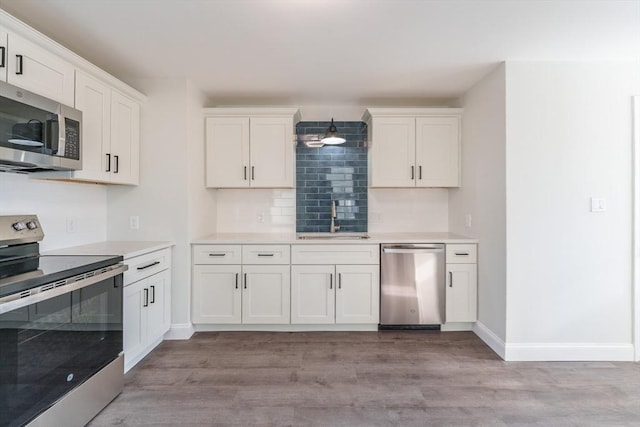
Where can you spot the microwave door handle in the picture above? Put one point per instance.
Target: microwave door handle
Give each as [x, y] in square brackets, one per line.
[62, 134]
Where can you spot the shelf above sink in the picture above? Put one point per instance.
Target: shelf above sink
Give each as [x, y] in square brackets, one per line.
[331, 236]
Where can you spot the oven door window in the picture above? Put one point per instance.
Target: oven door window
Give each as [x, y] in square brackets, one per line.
[48, 348]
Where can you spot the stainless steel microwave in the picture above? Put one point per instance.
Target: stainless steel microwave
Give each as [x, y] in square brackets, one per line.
[37, 134]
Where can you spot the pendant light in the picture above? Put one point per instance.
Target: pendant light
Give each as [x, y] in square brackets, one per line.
[332, 137]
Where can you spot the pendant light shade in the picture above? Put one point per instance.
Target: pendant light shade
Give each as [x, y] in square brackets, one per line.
[332, 137]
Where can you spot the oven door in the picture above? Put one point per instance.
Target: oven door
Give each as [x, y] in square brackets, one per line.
[48, 346]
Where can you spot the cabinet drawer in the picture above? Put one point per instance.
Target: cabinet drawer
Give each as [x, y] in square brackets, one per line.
[266, 254]
[217, 254]
[335, 254]
[146, 265]
[462, 254]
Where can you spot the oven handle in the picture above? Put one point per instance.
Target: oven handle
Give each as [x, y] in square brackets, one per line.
[15, 303]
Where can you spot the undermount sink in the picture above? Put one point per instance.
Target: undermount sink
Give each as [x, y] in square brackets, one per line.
[331, 236]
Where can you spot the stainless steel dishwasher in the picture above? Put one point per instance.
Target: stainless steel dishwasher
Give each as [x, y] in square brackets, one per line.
[412, 286]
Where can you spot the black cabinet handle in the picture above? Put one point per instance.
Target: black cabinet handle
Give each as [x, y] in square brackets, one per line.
[331, 281]
[413, 175]
[153, 294]
[217, 254]
[237, 280]
[245, 173]
[19, 64]
[245, 280]
[339, 280]
[117, 164]
[451, 279]
[146, 298]
[253, 174]
[149, 265]
[2, 60]
[461, 253]
[265, 254]
[419, 172]
[108, 163]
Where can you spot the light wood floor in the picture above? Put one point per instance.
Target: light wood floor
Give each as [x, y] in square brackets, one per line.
[366, 379]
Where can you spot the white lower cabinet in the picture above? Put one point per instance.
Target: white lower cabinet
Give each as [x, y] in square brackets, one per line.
[146, 304]
[324, 294]
[217, 297]
[335, 284]
[238, 293]
[461, 293]
[265, 294]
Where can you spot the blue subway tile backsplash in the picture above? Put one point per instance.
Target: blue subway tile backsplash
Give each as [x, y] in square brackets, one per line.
[332, 173]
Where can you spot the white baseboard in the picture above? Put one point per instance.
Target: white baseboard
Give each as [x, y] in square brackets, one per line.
[458, 326]
[492, 340]
[569, 352]
[285, 328]
[180, 331]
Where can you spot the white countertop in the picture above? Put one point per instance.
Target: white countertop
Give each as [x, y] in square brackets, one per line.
[125, 249]
[374, 238]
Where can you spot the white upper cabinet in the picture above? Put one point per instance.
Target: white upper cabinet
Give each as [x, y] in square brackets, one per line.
[110, 133]
[393, 152]
[414, 147]
[250, 148]
[438, 151]
[271, 152]
[3, 54]
[125, 139]
[93, 98]
[37, 70]
[227, 152]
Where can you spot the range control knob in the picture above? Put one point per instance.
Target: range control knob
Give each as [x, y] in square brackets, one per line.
[32, 225]
[19, 226]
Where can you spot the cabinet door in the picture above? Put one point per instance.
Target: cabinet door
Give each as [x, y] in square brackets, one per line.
[216, 294]
[125, 139]
[438, 151]
[35, 69]
[461, 293]
[271, 152]
[266, 294]
[393, 151]
[159, 314]
[313, 294]
[93, 98]
[358, 294]
[3, 55]
[135, 303]
[227, 144]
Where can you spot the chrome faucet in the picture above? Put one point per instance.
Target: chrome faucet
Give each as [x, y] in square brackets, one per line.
[333, 228]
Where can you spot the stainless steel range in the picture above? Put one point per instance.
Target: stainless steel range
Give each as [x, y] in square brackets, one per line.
[61, 358]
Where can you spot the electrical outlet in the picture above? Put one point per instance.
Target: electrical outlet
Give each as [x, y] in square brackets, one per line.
[467, 220]
[260, 217]
[134, 222]
[71, 225]
[375, 217]
[598, 204]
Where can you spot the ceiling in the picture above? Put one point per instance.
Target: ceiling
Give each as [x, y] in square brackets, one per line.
[339, 51]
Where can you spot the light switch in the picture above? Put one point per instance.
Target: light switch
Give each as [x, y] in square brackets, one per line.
[598, 204]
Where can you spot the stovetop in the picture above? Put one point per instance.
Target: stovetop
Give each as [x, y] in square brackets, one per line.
[51, 268]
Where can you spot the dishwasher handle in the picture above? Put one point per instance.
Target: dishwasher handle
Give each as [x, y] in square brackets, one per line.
[412, 249]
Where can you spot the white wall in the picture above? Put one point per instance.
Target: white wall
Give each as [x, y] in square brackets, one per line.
[569, 270]
[202, 201]
[55, 202]
[482, 195]
[161, 200]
